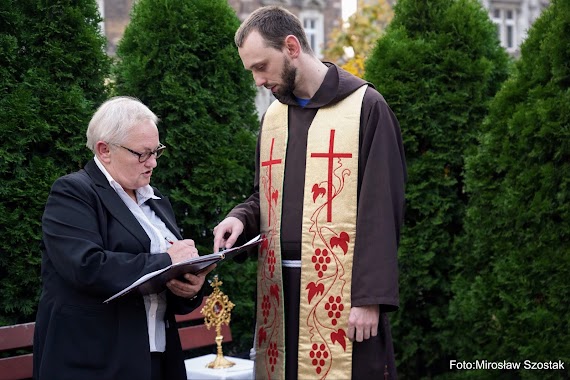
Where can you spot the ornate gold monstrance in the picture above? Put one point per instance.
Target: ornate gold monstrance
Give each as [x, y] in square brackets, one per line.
[216, 312]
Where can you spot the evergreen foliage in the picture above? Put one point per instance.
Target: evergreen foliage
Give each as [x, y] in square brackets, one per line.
[179, 58]
[52, 70]
[513, 292]
[438, 66]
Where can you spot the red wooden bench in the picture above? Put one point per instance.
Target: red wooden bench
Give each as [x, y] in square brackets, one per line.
[194, 333]
[192, 330]
[13, 338]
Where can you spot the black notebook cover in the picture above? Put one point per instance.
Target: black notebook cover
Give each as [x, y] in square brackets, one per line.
[155, 282]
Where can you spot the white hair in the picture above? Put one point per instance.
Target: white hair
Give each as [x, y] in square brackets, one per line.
[114, 119]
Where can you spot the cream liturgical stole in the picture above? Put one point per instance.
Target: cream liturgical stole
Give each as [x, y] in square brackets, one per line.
[329, 232]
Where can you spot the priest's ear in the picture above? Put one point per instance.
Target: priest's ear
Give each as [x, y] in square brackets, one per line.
[292, 46]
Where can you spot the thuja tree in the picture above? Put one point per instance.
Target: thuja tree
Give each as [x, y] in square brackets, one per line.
[179, 58]
[52, 77]
[512, 300]
[438, 66]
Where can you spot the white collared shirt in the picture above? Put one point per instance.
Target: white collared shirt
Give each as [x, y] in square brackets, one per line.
[155, 304]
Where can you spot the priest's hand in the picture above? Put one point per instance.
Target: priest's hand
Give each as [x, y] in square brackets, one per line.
[232, 226]
[363, 322]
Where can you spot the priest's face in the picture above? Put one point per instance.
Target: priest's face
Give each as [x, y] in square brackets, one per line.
[270, 67]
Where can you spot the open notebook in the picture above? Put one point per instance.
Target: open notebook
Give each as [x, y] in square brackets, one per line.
[155, 282]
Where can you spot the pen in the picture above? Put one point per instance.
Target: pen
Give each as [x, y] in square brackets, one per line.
[168, 240]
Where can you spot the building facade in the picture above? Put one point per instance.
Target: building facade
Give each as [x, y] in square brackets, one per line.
[116, 17]
[513, 19]
[319, 18]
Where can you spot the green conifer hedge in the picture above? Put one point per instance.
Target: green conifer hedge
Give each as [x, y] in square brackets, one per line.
[179, 58]
[52, 70]
[513, 293]
[438, 66]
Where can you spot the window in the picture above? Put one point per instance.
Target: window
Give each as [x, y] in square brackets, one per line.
[510, 43]
[309, 24]
[505, 20]
[314, 29]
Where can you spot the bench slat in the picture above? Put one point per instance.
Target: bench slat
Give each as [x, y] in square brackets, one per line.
[22, 336]
[16, 367]
[196, 314]
[17, 336]
[199, 336]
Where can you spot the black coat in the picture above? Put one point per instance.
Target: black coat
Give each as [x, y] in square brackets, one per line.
[92, 247]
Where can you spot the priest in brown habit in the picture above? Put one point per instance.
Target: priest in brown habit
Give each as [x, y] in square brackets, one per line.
[329, 202]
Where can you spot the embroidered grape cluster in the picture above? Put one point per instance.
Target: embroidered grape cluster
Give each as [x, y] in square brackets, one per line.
[265, 306]
[271, 261]
[321, 259]
[273, 355]
[319, 354]
[334, 308]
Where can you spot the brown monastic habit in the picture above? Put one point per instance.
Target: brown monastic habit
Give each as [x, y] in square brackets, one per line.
[381, 180]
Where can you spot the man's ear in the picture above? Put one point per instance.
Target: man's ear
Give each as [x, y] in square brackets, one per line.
[103, 151]
[292, 46]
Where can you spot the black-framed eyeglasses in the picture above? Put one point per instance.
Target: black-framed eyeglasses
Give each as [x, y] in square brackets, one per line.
[146, 155]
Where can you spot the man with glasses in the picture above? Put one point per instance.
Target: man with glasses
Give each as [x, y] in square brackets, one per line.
[103, 228]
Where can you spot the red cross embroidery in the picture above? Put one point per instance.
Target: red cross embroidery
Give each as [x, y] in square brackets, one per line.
[331, 156]
[270, 163]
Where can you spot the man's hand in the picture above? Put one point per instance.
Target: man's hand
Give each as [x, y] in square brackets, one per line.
[363, 322]
[230, 225]
[192, 285]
